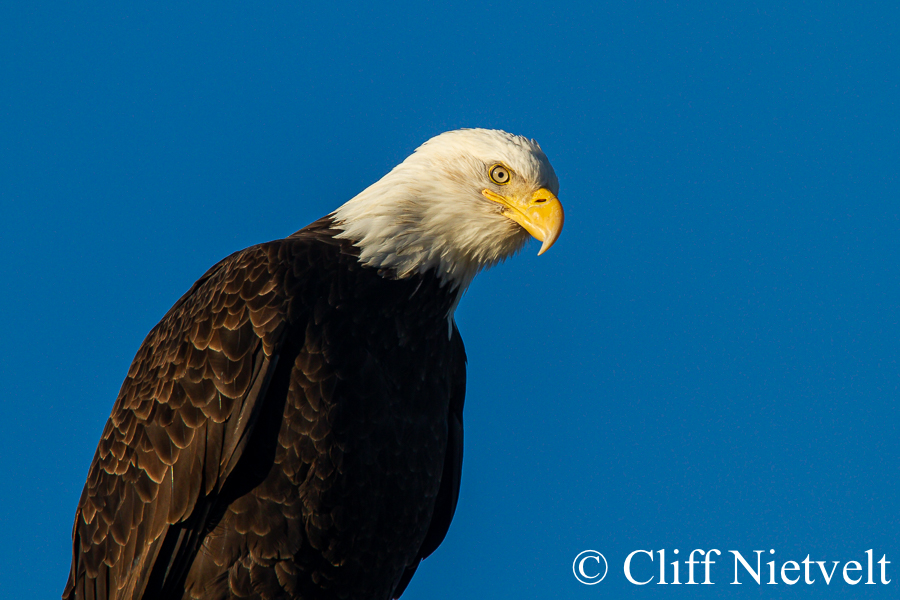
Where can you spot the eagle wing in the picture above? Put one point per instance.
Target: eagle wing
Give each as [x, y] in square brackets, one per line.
[184, 413]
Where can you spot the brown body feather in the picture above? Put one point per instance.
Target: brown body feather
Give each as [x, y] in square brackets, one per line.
[292, 428]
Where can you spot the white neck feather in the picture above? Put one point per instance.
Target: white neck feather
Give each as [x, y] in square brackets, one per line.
[416, 219]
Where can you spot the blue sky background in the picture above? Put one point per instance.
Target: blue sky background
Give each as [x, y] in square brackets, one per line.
[711, 360]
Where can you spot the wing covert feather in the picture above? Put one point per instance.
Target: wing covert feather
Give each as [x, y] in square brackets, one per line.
[183, 414]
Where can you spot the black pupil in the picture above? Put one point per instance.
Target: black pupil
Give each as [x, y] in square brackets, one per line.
[500, 174]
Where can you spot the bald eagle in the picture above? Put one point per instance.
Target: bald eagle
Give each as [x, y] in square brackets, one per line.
[292, 427]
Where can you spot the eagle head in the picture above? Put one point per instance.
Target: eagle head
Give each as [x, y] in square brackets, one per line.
[462, 202]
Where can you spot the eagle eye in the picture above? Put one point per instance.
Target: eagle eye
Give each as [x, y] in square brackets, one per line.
[500, 174]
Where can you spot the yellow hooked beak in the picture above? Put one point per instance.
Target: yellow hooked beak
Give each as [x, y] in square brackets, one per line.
[541, 215]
